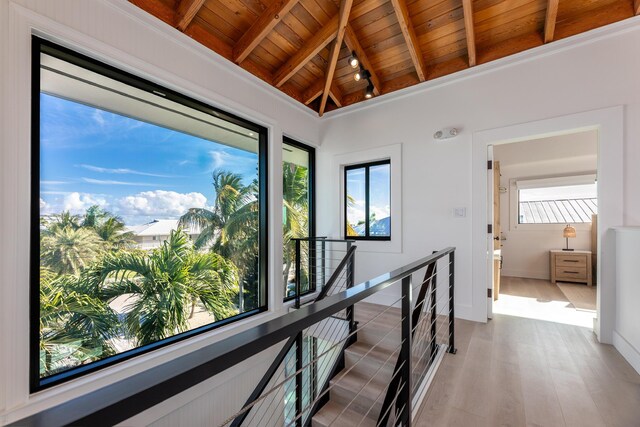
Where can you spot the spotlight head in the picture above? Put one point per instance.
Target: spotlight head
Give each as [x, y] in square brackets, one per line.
[357, 76]
[353, 60]
[369, 92]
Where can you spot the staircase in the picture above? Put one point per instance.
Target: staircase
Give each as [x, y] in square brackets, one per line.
[357, 392]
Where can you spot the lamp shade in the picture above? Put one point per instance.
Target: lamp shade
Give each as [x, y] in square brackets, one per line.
[569, 232]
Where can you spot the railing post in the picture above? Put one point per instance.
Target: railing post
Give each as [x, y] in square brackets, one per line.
[434, 312]
[452, 271]
[298, 273]
[311, 286]
[299, 360]
[404, 398]
[323, 266]
[350, 283]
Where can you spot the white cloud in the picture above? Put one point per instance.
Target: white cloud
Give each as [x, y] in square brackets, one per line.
[381, 212]
[219, 158]
[121, 171]
[160, 203]
[98, 117]
[111, 182]
[45, 182]
[77, 203]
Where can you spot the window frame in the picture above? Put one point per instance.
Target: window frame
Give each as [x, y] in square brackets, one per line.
[366, 166]
[39, 46]
[312, 198]
[549, 181]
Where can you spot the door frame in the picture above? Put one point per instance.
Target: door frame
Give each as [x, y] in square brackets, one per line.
[609, 123]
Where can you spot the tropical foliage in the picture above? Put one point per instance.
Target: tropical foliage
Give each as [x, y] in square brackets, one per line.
[89, 262]
[231, 229]
[295, 213]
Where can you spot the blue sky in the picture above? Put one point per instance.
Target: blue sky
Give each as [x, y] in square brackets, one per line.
[379, 183]
[134, 169]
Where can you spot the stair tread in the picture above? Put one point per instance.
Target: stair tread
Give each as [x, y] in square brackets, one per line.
[331, 410]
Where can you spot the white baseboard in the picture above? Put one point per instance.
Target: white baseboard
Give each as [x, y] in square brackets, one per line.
[629, 352]
[526, 274]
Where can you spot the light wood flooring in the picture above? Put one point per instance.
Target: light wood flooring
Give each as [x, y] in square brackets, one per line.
[515, 371]
[570, 303]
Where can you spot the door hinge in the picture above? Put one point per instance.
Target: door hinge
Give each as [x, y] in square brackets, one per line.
[489, 293]
[489, 164]
[490, 228]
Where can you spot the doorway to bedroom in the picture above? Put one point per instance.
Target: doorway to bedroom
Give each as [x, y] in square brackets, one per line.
[544, 228]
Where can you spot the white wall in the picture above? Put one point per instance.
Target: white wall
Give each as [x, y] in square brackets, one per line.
[525, 249]
[626, 336]
[585, 73]
[118, 33]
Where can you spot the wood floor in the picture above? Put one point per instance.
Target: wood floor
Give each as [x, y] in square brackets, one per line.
[570, 303]
[515, 371]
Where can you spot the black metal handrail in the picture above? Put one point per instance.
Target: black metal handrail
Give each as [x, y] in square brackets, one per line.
[122, 400]
[297, 339]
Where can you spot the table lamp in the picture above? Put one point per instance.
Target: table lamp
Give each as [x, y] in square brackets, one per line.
[568, 232]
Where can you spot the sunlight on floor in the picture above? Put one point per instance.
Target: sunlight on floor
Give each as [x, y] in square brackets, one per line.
[552, 311]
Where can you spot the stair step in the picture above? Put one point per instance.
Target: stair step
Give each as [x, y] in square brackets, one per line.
[360, 392]
[327, 415]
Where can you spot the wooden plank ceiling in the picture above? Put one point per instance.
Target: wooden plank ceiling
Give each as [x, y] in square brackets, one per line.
[302, 46]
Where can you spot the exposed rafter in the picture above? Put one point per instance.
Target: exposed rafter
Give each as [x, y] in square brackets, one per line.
[550, 20]
[310, 49]
[467, 9]
[410, 38]
[261, 28]
[315, 90]
[345, 10]
[351, 40]
[187, 10]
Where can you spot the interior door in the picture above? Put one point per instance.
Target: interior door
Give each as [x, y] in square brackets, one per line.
[497, 244]
[490, 241]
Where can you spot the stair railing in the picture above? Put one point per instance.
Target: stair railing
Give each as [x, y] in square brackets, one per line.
[317, 258]
[324, 334]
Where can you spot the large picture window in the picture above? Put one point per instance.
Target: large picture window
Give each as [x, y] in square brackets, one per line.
[148, 216]
[298, 211]
[368, 201]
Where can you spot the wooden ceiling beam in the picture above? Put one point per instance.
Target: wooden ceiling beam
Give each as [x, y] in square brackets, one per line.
[157, 9]
[550, 20]
[351, 40]
[636, 7]
[187, 10]
[310, 49]
[410, 38]
[467, 9]
[345, 10]
[315, 90]
[261, 28]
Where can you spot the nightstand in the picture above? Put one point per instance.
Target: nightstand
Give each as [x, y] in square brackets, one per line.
[571, 266]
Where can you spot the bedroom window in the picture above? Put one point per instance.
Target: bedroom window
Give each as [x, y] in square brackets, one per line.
[148, 217]
[368, 201]
[566, 200]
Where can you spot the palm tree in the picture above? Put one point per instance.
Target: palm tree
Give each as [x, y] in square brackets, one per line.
[110, 228]
[296, 210]
[114, 234]
[62, 220]
[231, 194]
[231, 229]
[165, 284]
[68, 250]
[76, 325]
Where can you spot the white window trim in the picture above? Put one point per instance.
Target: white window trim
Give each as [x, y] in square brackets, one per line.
[516, 184]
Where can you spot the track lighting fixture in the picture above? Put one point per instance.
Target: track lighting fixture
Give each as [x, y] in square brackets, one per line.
[353, 60]
[362, 74]
[369, 92]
